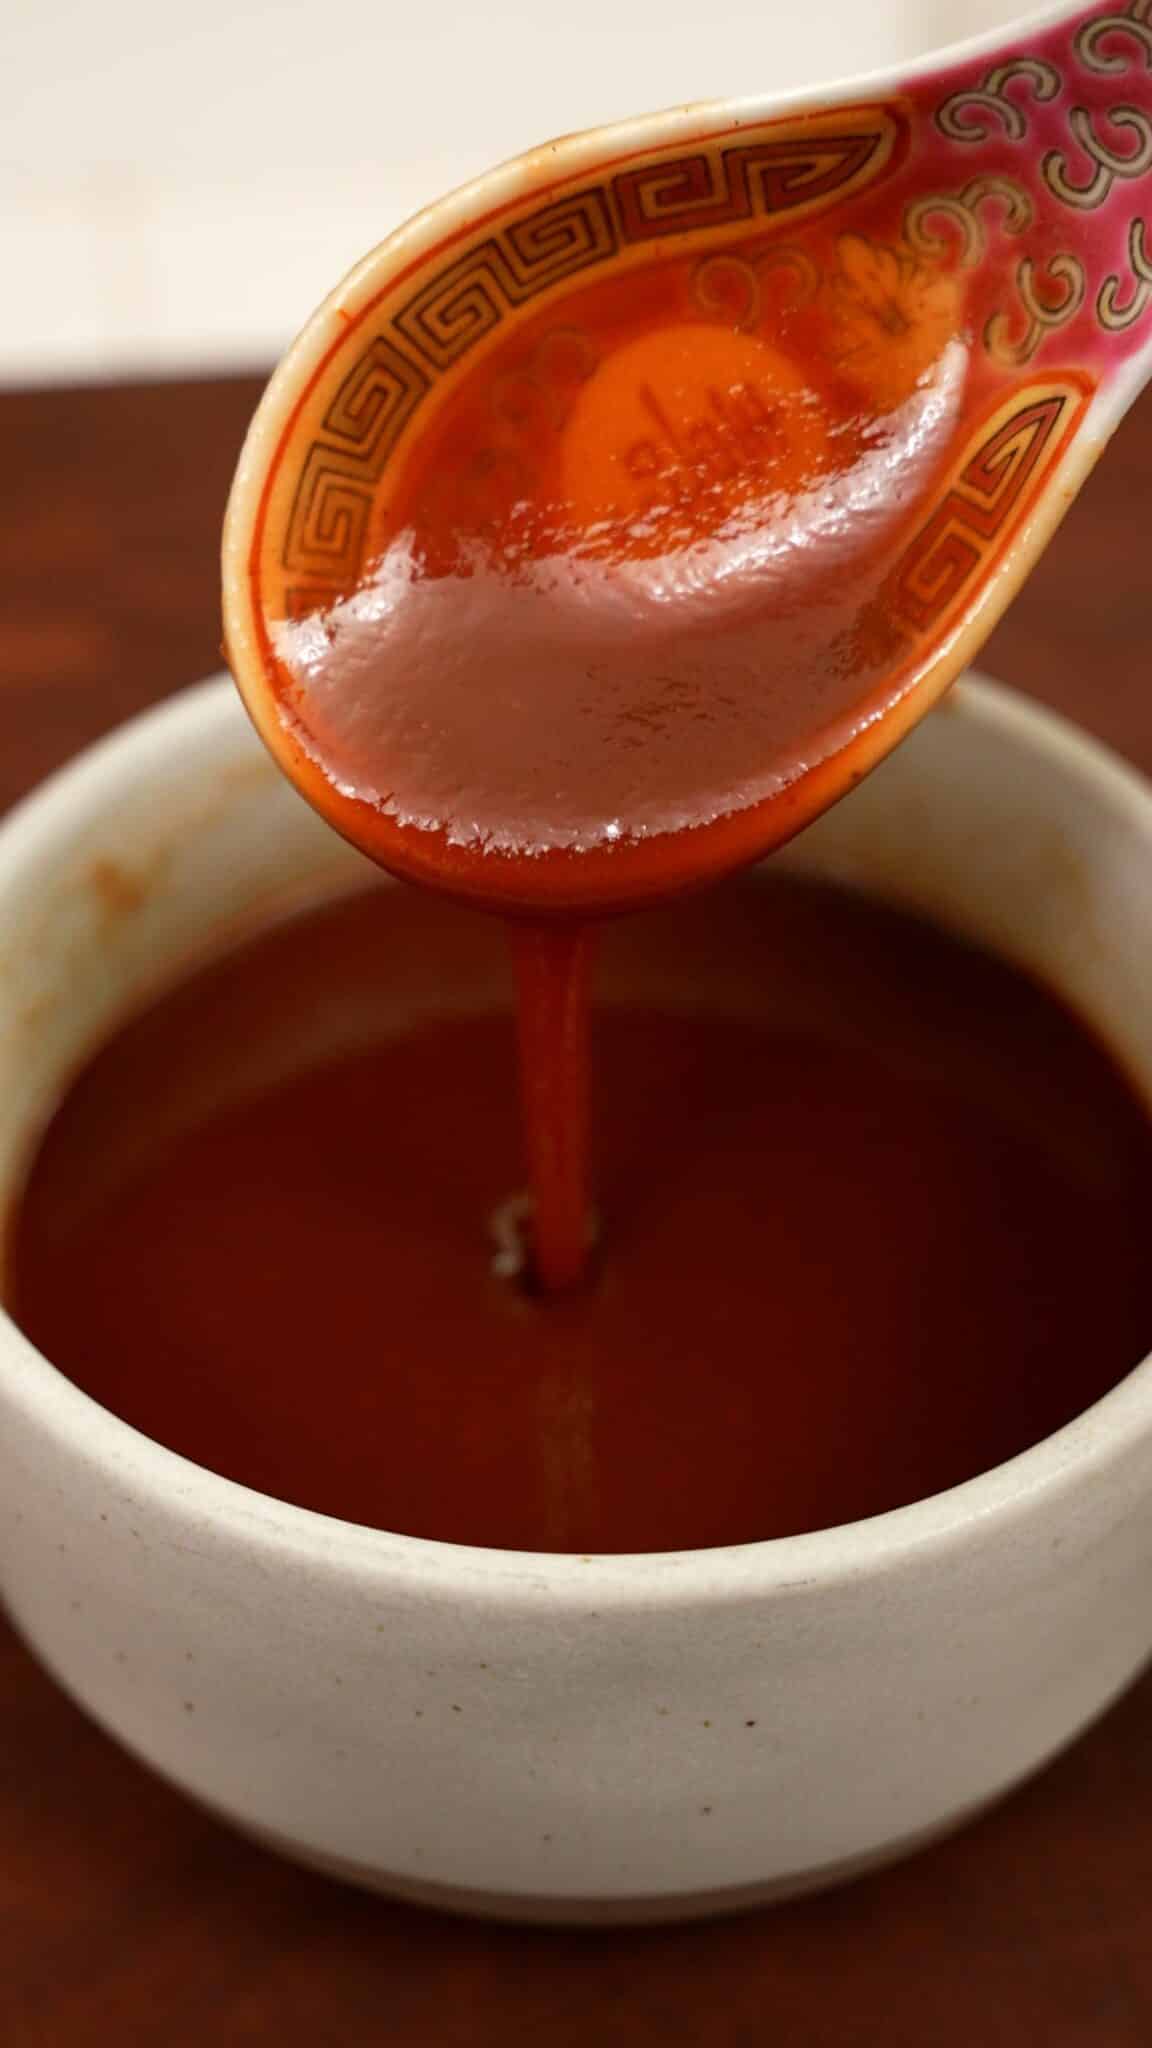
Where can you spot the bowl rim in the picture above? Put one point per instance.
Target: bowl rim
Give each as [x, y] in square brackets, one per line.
[195, 726]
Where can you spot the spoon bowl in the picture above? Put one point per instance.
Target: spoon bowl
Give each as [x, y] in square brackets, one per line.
[618, 513]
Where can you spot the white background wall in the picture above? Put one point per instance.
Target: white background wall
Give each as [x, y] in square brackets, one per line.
[180, 184]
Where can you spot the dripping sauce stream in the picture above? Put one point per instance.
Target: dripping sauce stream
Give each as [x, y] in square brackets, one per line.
[553, 960]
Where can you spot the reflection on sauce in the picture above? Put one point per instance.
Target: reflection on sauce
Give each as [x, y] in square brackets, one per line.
[629, 589]
[631, 582]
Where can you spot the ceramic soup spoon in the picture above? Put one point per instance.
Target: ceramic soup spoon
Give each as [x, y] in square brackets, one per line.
[617, 513]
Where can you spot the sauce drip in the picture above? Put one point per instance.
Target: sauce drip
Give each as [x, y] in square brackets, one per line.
[553, 1014]
[875, 1218]
[622, 617]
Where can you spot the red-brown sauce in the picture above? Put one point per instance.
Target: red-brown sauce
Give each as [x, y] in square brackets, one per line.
[624, 612]
[873, 1217]
[625, 603]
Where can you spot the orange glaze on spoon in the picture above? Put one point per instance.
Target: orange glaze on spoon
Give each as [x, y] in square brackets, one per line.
[619, 514]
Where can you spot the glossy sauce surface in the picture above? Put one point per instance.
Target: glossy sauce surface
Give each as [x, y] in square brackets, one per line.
[874, 1217]
[627, 587]
[627, 593]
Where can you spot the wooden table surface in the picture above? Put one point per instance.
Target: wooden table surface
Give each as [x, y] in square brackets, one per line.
[128, 1918]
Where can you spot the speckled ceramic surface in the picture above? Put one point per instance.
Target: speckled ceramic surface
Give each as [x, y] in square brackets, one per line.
[556, 1735]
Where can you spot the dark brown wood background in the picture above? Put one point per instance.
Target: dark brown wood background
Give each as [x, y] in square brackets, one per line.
[128, 1918]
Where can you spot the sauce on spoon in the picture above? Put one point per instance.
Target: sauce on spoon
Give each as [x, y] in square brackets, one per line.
[611, 521]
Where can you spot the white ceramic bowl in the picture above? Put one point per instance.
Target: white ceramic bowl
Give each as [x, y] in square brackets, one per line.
[551, 1736]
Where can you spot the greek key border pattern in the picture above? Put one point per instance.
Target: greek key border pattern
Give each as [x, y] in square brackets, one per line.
[779, 173]
[988, 490]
